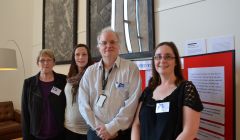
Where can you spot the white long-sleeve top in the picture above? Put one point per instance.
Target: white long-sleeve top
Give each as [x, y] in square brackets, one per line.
[123, 90]
[73, 119]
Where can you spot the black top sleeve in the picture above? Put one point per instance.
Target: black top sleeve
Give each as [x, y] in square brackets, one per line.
[191, 97]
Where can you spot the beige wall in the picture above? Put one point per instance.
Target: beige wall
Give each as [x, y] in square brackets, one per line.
[21, 21]
[17, 25]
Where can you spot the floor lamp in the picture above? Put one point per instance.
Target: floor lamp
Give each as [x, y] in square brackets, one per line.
[8, 58]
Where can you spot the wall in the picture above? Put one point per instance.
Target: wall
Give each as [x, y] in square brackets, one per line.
[17, 25]
[22, 21]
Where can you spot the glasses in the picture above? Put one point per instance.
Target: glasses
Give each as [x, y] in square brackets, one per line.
[104, 43]
[165, 57]
[45, 61]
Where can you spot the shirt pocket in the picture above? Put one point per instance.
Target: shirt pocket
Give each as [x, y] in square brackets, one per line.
[122, 89]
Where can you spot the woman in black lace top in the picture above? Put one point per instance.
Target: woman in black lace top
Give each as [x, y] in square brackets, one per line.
[170, 106]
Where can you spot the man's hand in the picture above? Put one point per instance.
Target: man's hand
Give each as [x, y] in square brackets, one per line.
[103, 133]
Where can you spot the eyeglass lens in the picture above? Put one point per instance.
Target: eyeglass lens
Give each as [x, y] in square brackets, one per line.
[165, 57]
[112, 42]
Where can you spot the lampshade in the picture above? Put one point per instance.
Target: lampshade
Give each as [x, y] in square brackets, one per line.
[8, 60]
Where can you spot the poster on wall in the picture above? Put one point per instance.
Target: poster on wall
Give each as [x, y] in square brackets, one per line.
[215, 83]
[209, 82]
[145, 67]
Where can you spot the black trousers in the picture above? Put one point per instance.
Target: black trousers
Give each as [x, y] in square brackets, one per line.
[58, 137]
[122, 135]
[69, 135]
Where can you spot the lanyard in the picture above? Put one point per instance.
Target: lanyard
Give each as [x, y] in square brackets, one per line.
[105, 80]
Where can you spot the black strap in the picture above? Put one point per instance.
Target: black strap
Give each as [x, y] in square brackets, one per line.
[105, 80]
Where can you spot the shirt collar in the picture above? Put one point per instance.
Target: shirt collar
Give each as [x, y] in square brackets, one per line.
[116, 63]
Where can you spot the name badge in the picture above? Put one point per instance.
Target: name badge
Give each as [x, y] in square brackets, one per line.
[101, 100]
[119, 85]
[162, 107]
[56, 90]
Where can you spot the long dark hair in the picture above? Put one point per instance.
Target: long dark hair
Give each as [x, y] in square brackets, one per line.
[73, 70]
[156, 79]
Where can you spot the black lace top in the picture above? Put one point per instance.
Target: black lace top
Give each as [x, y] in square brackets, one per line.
[167, 125]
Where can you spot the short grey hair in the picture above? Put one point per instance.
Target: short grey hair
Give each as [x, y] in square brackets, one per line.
[46, 52]
[105, 30]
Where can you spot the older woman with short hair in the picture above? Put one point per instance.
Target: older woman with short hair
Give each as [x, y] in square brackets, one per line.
[43, 101]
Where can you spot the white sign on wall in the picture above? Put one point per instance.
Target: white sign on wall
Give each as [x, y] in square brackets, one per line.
[195, 47]
[209, 82]
[221, 43]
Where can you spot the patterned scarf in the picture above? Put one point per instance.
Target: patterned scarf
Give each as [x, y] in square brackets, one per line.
[74, 81]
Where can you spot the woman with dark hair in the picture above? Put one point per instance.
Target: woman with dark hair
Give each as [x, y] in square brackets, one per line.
[170, 106]
[76, 128]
